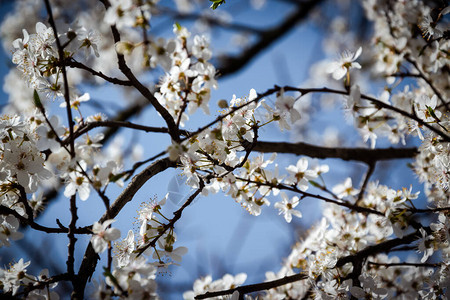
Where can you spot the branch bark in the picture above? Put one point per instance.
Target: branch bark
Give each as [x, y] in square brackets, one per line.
[233, 64]
[246, 289]
[365, 155]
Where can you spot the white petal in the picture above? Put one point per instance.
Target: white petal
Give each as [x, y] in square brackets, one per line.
[339, 73]
[358, 53]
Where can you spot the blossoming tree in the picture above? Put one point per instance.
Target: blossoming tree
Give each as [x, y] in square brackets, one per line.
[59, 47]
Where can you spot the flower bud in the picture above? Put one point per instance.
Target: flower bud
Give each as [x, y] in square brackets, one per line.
[222, 103]
[124, 47]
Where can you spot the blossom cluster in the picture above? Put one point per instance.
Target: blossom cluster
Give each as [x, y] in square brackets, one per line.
[133, 275]
[216, 156]
[188, 83]
[12, 278]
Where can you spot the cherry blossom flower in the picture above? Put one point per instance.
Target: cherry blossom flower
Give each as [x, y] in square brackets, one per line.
[369, 289]
[15, 276]
[124, 249]
[286, 207]
[347, 61]
[206, 284]
[26, 164]
[285, 105]
[345, 189]
[8, 230]
[89, 41]
[429, 28]
[75, 103]
[77, 183]
[425, 108]
[300, 175]
[425, 245]
[146, 213]
[102, 235]
[174, 254]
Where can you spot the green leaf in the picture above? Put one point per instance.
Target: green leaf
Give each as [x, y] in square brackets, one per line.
[107, 273]
[216, 3]
[37, 100]
[115, 177]
[431, 112]
[315, 184]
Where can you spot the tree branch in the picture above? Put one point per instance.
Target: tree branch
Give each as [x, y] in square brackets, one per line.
[25, 221]
[403, 264]
[267, 38]
[173, 129]
[246, 289]
[360, 209]
[383, 247]
[73, 207]
[365, 182]
[86, 127]
[72, 63]
[365, 155]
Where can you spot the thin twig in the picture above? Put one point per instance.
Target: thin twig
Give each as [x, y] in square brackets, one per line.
[384, 247]
[73, 207]
[72, 63]
[176, 216]
[430, 84]
[279, 186]
[366, 181]
[173, 129]
[86, 127]
[251, 288]
[8, 211]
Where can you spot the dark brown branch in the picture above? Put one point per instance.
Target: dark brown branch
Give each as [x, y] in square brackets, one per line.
[360, 209]
[71, 235]
[73, 207]
[267, 38]
[136, 183]
[64, 74]
[366, 181]
[403, 264]
[173, 129]
[365, 155]
[355, 259]
[86, 127]
[251, 288]
[377, 103]
[26, 221]
[72, 63]
[304, 91]
[211, 21]
[430, 84]
[405, 74]
[383, 247]
[428, 210]
[44, 283]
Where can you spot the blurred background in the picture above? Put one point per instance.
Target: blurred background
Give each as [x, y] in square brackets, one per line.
[256, 44]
